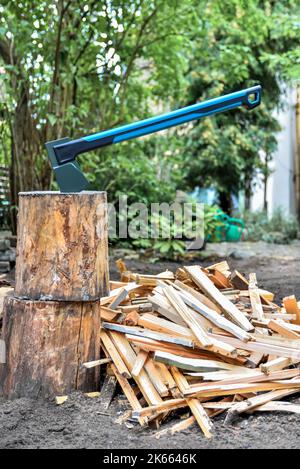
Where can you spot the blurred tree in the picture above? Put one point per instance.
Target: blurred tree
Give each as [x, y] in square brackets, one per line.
[237, 44]
[76, 67]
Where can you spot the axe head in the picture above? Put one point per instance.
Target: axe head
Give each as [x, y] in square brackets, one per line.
[69, 176]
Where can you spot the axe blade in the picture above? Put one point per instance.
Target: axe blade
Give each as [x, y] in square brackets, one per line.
[69, 176]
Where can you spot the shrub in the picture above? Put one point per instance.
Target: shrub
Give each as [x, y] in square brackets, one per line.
[278, 229]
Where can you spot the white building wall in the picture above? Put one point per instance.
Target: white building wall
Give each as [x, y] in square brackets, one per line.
[281, 186]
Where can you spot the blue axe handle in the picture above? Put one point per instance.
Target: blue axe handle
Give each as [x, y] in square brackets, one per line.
[67, 152]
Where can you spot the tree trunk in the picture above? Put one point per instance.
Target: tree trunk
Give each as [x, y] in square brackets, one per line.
[225, 202]
[248, 193]
[28, 169]
[297, 169]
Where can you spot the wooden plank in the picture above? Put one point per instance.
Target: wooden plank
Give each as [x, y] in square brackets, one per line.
[239, 281]
[177, 427]
[90, 365]
[291, 307]
[137, 308]
[180, 379]
[204, 322]
[129, 356]
[221, 267]
[263, 294]
[199, 413]
[277, 406]
[224, 374]
[139, 363]
[191, 364]
[255, 359]
[291, 327]
[180, 307]
[129, 393]
[152, 345]
[273, 406]
[257, 309]
[164, 406]
[167, 378]
[281, 329]
[281, 316]
[263, 347]
[256, 401]
[119, 299]
[223, 349]
[113, 284]
[277, 364]
[257, 377]
[108, 314]
[199, 296]
[151, 280]
[214, 294]
[162, 306]
[219, 280]
[117, 294]
[232, 389]
[114, 355]
[155, 323]
[156, 378]
[148, 334]
[277, 340]
[201, 417]
[214, 317]
[131, 319]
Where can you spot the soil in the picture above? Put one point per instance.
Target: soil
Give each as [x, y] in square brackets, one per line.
[26, 423]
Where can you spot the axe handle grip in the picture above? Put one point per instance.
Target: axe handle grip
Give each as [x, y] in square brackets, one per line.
[250, 98]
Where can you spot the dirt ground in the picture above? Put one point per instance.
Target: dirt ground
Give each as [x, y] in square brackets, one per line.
[78, 423]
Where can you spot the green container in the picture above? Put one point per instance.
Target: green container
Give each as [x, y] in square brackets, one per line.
[231, 231]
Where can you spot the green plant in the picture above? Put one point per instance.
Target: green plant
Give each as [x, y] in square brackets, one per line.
[277, 229]
[168, 238]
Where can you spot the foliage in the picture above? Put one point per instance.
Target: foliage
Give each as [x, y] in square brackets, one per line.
[75, 67]
[278, 229]
[72, 68]
[173, 239]
[239, 45]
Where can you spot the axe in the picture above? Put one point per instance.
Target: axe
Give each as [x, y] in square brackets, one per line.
[63, 152]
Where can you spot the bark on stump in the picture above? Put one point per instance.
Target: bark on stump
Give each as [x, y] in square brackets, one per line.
[62, 248]
[51, 325]
[46, 344]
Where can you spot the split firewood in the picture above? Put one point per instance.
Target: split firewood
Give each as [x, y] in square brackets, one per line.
[254, 402]
[132, 319]
[292, 307]
[204, 340]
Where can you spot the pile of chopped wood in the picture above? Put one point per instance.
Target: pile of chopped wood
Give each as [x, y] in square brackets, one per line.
[205, 340]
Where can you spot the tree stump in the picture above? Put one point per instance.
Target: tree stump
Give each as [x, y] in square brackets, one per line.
[62, 247]
[51, 326]
[46, 344]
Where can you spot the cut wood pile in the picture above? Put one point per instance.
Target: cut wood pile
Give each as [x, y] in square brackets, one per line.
[205, 341]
